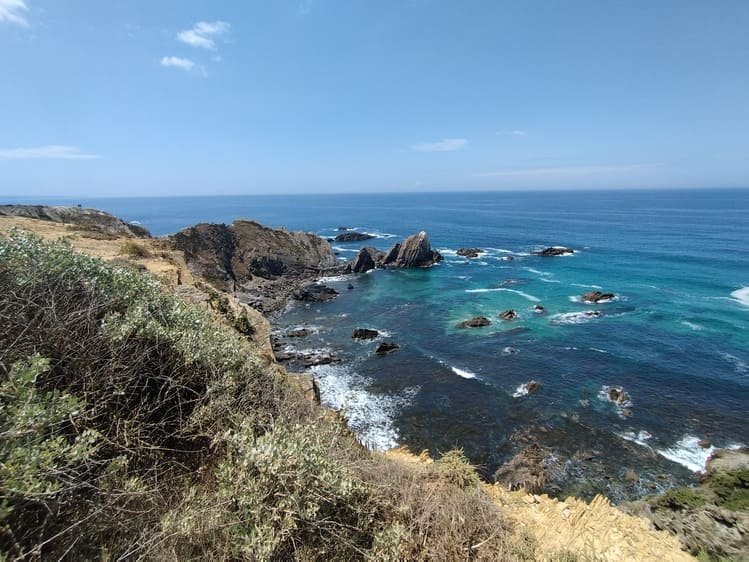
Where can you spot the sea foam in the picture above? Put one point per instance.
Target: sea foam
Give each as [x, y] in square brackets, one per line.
[370, 416]
[741, 296]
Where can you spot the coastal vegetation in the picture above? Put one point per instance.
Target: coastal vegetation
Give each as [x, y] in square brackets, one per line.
[136, 425]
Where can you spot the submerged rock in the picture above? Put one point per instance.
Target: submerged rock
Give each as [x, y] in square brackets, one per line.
[298, 333]
[538, 309]
[525, 470]
[315, 292]
[414, 251]
[552, 251]
[343, 228]
[477, 322]
[598, 296]
[352, 236]
[365, 334]
[383, 348]
[617, 395]
[469, 252]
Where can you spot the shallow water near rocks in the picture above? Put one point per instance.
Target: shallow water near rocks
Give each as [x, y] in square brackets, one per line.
[675, 338]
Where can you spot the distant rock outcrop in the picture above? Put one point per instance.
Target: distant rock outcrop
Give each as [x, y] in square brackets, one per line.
[365, 334]
[414, 251]
[477, 322]
[92, 219]
[469, 252]
[508, 315]
[552, 251]
[265, 263]
[598, 296]
[366, 259]
[351, 236]
[383, 348]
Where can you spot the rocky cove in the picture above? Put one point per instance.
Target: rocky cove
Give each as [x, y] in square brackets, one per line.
[260, 268]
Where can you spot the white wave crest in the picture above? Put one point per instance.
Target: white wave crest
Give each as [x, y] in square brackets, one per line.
[574, 317]
[370, 416]
[641, 437]
[463, 373]
[520, 391]
[586, 286]
[741, 296]
[692, 325]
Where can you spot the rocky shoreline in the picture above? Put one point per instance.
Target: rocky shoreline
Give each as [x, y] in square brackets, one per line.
[264, 268]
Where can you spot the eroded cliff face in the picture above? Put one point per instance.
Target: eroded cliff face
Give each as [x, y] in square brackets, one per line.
[263, 264]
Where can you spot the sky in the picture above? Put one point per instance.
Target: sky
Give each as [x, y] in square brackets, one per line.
[186, 97]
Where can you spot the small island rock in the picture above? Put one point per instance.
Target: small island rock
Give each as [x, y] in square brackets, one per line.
[365, 334]
[383, 348]
[477, 322]
[552, 251]
[598, 296]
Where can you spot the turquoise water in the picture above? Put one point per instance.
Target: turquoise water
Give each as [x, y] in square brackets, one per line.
[676, 338]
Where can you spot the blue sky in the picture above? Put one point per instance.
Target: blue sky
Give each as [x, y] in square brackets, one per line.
[185, 97]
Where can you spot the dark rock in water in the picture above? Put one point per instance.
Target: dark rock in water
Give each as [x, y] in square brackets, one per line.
[298, 333]
[315, 292]
[617, 395]
[508, 315]
[528, 388]
[365, 334]
[414, 251]
[538, 309]
[526, 470]
[554, 251]
[350, 287]
[352, 236]
[598, 296]
[91, 220]
[383, 348]
[510, 350]
[705, 443]
[469, 252]
[314, 359]
[343, 228]
[477, 322]
[366, 259]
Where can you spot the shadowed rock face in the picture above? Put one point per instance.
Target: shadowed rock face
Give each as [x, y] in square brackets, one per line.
[89, 218]
[264, 263]
[367, 259]
[414, 251]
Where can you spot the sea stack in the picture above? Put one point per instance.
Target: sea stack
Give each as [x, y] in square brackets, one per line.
[414, 251]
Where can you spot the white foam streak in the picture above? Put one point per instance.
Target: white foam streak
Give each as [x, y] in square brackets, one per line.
[504, 289]
[687, 452]
[463, 373]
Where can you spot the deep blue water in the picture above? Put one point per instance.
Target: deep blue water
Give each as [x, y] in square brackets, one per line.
[676, 338]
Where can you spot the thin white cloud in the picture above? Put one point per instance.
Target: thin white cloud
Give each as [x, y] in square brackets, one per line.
[203, 34]
[14, 11]
[445, 145]
[49, 152]
[178, 62]
[562, 171]
[514, 133]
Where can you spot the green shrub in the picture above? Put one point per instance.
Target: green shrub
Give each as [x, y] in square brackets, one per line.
[731, 489]
[680, 499]
[132, 249]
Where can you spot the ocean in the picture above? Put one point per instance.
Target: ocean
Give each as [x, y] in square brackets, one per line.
[675, 338]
